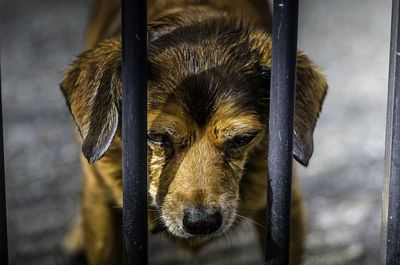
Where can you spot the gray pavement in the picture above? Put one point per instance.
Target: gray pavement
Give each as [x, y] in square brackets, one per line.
[349, 39]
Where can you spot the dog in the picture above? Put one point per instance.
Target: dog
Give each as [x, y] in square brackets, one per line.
[209, 65]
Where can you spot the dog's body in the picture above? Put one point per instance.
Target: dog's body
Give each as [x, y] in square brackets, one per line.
[208, 98]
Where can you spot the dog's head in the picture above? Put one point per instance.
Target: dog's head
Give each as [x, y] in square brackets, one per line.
[208, 97]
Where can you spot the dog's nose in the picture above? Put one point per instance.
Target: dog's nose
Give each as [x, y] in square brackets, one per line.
[200, 220]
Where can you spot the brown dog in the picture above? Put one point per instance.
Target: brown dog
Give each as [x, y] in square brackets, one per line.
[208, 97]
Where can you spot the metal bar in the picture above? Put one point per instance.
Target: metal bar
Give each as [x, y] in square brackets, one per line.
[390, 247]
[3, 207]
[134, 131]
[283, 78]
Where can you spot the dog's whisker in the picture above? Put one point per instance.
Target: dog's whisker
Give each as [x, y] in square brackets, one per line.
[241, 227]
[252, 221]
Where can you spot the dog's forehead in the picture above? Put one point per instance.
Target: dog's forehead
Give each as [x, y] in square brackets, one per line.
[214, 93]
[206, 71]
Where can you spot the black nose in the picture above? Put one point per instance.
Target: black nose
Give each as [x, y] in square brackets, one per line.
[201, 220]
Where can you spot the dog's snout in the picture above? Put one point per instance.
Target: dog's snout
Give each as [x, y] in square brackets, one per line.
[199, 220]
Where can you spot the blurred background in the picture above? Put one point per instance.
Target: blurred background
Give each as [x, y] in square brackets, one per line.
[349, 39]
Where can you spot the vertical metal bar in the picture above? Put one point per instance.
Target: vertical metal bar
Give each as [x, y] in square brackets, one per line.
[283, 78]
[3, 208]
[134, 131]
[390, 247]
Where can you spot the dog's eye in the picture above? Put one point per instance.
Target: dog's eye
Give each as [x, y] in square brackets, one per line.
[159, 139]
[239, 141]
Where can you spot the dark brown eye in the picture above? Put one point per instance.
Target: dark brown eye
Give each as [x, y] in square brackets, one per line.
[159, 139]
[239, 141]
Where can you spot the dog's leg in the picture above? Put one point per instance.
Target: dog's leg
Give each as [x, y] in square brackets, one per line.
[102, 238]
[297, 226]
[73, 245]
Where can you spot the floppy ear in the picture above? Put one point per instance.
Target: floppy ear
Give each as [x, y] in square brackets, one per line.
[92, 89]
[311, 89]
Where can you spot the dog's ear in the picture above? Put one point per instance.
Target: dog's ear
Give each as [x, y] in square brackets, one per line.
[311, 87]
[92, 89]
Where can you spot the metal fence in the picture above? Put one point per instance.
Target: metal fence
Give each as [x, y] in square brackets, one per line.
[280, 139]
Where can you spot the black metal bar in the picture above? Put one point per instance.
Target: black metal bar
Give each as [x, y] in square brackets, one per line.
[283, 78]
[3, 207]
[134, 131]
[391, 198]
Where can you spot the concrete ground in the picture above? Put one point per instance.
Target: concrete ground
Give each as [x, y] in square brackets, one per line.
[349, 39]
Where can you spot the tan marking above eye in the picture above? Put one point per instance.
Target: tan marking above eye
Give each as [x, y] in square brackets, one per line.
[224, 130]
[177, 127]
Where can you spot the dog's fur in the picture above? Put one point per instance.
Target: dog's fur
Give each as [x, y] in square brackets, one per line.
[208, 97]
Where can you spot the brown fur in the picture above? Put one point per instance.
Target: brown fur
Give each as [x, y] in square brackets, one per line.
[208, 92]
